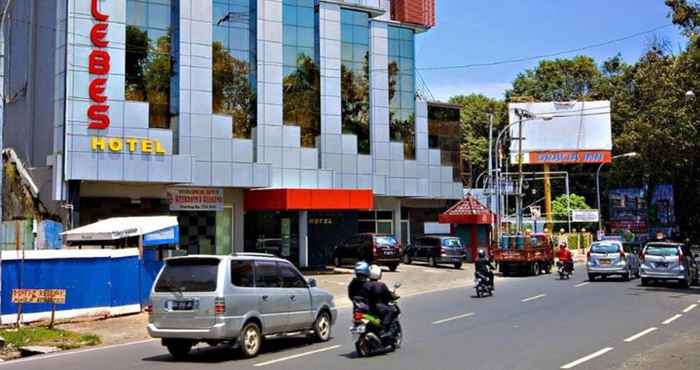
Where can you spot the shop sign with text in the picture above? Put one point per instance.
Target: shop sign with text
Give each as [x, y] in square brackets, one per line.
[196, 199]
[129, 145]
[99, 68]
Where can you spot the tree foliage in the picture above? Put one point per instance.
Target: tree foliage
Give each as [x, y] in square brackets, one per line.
[562, 204]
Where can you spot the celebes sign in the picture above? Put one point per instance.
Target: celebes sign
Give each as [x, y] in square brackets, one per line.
[98, 65]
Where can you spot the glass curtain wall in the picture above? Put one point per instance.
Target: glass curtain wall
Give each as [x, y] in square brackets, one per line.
[402, 89]
[444, 133]
[302, 77]
[234, 65]
[355, 76]
[151, 31]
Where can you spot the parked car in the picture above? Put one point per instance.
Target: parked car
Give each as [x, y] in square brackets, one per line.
[238, 299]
[380, 249]
[609, 257]
[435, 250]
[669, 261]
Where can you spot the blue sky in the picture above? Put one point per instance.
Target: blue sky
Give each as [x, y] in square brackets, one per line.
[477, 31]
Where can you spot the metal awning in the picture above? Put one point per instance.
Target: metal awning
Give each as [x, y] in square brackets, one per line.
[124, 227]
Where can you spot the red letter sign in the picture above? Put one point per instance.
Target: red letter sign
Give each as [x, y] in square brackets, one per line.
[98, 35]
[98, 64]
[97, 90]
[96, 12]
[99, 119]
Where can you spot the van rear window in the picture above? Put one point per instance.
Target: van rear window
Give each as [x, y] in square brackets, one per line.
[661, 250]
[189, 275]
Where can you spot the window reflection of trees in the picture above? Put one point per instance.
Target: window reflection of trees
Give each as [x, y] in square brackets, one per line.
[232, 91]
[402, 89]
[355, 85]
[302, 89]
[149, 69]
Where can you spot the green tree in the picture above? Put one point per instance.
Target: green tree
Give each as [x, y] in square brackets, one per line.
[475, 130]
[232, 91]
[302, 106]
[563, 203]
[557, 80]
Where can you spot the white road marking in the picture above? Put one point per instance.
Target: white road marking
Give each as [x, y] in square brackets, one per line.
[533, 298]
[672, 319]
[453, 318]
[587, 358]
[582, 284]
[690, 308]
[76, 352]
[292, 357]
[640, 334]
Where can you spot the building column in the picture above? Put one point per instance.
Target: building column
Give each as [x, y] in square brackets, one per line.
[303, 239]
[397, 219]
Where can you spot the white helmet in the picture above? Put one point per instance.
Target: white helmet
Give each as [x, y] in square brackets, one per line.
[375, 272]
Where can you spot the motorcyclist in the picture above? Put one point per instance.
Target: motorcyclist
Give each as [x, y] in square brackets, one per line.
[565, 257]
[379, 297]
[356, 288]
[483, 266]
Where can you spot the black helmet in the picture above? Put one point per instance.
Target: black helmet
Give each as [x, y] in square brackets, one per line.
[482, 254]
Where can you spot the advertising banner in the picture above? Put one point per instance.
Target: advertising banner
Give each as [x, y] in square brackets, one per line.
[584, 215]
[196, 199]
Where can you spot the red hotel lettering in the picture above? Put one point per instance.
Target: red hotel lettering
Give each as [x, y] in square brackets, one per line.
[99, 64]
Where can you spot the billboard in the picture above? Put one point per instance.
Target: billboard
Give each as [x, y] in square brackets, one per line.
[628, 210]
[563, 132]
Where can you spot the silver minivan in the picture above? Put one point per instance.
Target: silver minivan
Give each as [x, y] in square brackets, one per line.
[669, 261]
[612, 258]
[236, 300]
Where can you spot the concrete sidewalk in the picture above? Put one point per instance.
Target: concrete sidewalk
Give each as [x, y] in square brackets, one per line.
[415, 279]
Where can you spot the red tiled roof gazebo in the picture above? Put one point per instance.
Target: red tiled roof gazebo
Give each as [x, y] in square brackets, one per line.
[471, 222]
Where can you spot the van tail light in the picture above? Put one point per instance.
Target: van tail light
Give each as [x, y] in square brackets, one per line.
[643, 255]
[219, 306]
[148, 308]
[622, 255]
[357, 316]
[398, 248]
[588, 256]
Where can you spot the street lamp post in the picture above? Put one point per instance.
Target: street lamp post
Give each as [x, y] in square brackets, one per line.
[597, 184]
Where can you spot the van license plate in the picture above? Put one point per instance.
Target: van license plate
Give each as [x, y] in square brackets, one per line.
[181, 305]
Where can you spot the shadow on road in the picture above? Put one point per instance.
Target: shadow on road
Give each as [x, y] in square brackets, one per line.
[224, 353]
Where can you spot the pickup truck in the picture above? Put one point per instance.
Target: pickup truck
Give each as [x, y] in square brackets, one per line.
[525, 254]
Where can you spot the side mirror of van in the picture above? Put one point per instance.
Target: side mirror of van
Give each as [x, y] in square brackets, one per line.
[312, 283]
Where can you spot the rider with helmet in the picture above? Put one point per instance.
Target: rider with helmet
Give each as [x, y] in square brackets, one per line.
[483, 266]
[565, 256]
[357, 285]
[379, 297]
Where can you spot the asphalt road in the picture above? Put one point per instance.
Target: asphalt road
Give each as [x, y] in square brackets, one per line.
[530, 323]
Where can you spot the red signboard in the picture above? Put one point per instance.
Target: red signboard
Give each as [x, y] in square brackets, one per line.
[99, 66]
[576, 156]
[419, 12]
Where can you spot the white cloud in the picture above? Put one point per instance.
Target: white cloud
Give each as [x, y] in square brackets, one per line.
[495, 90]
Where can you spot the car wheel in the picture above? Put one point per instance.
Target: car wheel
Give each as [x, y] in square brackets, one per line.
[322, 327]
[535, 269]
[645, 282]
[179, 349]
[250, 340]
[432, 262]
[458, 266]
[591, 277]
[407, 259]
[393, 267]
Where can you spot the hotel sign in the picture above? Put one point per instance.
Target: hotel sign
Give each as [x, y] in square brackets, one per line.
[99, 67]
[130, 145]
[564, 157]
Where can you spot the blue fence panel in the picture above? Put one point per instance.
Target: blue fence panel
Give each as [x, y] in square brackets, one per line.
[124, 276]
[149, 271]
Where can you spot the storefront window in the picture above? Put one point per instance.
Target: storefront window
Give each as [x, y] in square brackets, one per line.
[355, 76]
[402, 89]
[275, 233]
[381, 222]
[151, 32]
[444, 133]
[234, 65]
[302, 78]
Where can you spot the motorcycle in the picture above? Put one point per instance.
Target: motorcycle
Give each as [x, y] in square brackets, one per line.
[366, 329]
[564, 271]
[482, 286]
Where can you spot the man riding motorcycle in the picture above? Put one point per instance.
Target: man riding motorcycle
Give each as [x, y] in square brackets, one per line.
[356, 288]
[564, 255]
[483, 266]
[379, 297]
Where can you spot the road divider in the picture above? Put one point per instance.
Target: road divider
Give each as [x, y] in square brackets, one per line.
[640, 334]
[672, 319]
[582, 284]
[464, 316]
[581, 360]
[533, 298]
[690, 308]
[299, 355]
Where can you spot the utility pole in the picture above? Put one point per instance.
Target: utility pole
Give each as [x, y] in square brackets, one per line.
[519, 196]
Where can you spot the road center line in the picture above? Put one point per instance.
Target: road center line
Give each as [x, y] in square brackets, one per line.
[640, 334]
[672, 319]
[690, 308]
[587, 358]
[533, 298]
[453, 318]
[582, 284]
[292, 357]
